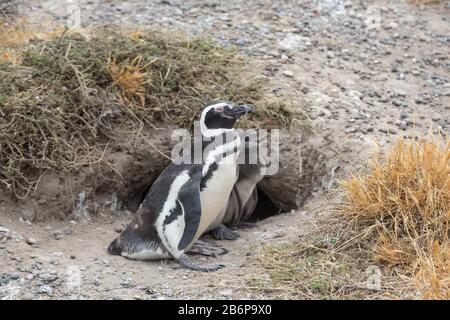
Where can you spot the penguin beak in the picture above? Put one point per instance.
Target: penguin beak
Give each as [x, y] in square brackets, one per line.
[238, 111]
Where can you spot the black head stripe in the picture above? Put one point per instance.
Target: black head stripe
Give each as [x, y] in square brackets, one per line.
[218, 120]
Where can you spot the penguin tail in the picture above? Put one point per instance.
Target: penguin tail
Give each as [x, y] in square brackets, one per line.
[115, 248]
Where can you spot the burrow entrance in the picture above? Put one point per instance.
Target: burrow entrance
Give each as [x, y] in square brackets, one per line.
[264, 209]
[93, 189]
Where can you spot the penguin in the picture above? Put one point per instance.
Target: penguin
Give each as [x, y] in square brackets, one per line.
[186, 198]
[244, 196]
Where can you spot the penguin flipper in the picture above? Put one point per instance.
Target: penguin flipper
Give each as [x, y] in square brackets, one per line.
[189, 198]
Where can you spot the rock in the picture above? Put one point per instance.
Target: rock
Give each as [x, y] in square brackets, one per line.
[29, 215]
[45, 290]
[397, 103]
[402, 125]
[27, 296]
[96, 281]
[4, 231]
[226, 293]
[118, 228]
[31, 241]
[240, 42]
[54, 262]
[350, 130]
[294, 42]
[126, 283]
[14, 276]
[67, 231]
[288, 73]
[47, 277]
[58, 234]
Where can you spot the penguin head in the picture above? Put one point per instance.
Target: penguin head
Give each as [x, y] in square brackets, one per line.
[252, 161]
[220, 117]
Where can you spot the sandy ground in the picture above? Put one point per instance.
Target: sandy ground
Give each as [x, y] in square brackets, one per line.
[77, 265]
[368, 72]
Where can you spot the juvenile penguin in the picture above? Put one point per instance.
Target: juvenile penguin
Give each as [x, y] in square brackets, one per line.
[187, 198]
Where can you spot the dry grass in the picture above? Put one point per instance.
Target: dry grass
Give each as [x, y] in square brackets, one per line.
[15, 34]
[330, 262]
[405, 201]
[396, 217]
[130, 77]
[65, 95]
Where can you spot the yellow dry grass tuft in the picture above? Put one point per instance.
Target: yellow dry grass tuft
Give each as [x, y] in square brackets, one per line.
[130, 78]
[135, 34]
[405, 202]
[433, 275]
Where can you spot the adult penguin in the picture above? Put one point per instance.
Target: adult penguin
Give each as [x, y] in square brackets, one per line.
[187, 197]
[244, 196]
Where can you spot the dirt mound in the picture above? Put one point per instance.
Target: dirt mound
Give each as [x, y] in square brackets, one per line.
[86, 117]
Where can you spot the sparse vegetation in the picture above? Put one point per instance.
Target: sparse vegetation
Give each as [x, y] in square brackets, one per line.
[69, 94]
[396, 216]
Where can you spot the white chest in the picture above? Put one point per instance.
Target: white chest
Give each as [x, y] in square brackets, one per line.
[214, 196]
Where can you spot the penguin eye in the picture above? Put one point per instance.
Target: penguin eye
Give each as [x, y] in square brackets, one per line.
[219, 109]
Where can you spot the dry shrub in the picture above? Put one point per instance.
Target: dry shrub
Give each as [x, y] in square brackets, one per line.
[73, 93]
[405, 202]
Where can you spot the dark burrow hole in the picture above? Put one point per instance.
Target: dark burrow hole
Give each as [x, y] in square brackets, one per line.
[265, 208]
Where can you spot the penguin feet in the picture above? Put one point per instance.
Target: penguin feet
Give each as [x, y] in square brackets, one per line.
[185, 262]
[206, 249]
[224, 233]
[246, 225]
